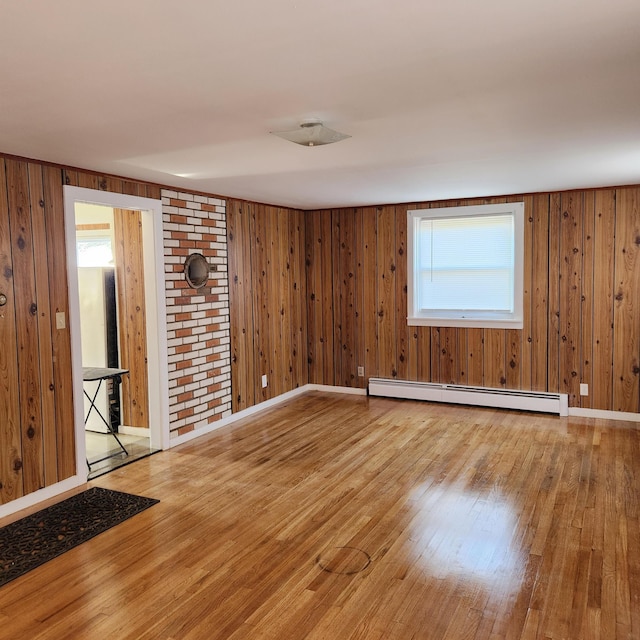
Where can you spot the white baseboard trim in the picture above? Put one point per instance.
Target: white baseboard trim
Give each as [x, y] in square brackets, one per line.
[605, 415]
[354, 391]
[256, 408]
[36, 497]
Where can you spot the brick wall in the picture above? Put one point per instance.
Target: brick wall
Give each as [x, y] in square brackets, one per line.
[197, 320]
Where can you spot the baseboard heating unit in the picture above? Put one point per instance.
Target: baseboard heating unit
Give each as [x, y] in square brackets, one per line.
[477, 396]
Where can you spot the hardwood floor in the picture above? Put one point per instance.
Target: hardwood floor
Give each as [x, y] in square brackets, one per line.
[346, 517]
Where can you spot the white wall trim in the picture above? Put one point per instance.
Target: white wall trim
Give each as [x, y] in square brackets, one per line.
[41, 495]
[354, 391]
[257, 408]
[157, 338]
[605, 415]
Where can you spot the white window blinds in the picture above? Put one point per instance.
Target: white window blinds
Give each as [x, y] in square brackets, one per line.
[466, 263]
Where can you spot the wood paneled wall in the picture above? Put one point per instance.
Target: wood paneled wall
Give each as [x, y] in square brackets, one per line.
[581, 302]
[36, 404]
[267, 291]
[37, 439]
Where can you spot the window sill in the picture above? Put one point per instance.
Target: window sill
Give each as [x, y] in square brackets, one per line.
[469, 323]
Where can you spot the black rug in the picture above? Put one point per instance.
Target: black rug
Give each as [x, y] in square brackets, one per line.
[42, 536]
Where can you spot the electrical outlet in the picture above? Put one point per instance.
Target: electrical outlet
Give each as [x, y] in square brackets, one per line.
[361, 372]
[61, 320]
[264, 381]
[584, 389]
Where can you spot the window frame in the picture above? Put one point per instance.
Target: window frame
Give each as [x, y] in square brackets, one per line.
[470, 318]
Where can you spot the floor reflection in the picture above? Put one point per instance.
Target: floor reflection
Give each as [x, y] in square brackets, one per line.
[103, 447]
[462, 534]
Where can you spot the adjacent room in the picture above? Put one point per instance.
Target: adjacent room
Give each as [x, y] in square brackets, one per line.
[320, 322]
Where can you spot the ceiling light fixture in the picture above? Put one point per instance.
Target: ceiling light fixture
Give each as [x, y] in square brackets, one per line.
[311, 133]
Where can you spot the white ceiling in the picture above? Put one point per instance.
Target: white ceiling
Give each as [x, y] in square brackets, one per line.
[442, 98]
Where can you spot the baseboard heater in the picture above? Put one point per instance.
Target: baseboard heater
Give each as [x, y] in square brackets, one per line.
[478, 396]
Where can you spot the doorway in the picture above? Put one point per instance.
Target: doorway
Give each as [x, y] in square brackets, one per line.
[118, 323]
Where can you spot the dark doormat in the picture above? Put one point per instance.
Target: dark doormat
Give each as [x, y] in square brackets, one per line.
[42, 536]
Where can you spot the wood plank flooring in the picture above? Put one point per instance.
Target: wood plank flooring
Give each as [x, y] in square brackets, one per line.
[353, 518]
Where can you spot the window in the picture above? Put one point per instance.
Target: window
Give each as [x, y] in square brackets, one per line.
[465, 266]
[94, 251]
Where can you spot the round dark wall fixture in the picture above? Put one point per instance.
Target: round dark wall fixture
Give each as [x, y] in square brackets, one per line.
[196, 270]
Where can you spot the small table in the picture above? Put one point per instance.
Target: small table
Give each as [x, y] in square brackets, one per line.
[99, 374]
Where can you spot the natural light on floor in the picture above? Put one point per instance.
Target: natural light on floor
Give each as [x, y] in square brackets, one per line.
[467, 534]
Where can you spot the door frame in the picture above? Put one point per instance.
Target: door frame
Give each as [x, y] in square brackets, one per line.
[157, 352]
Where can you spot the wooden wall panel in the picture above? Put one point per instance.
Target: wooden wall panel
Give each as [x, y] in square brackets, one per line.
[26, 309]
[553, 310]
[241, 312]
[494, 358]
[540, 293]
[475, 351]
[626, 316]
[360, 285]
[273, 298]
[320, 298]
[10, 432]
[285, 288]
[404, 341]
[327, 284]
[59, 301]
[37, 440]
[570, 289]
[338, 293]
[603, 279]
[344, 296]
[297, 300]
[587, 299]
[132, 321]
[369, 317]
[515, 367]
[314, 307]
[462, 357]
[386, 279]
[574, 327]
[351, 357]
[435, 354]
[526, 336]
[267, 292]
[262, 312]
[44, 320]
